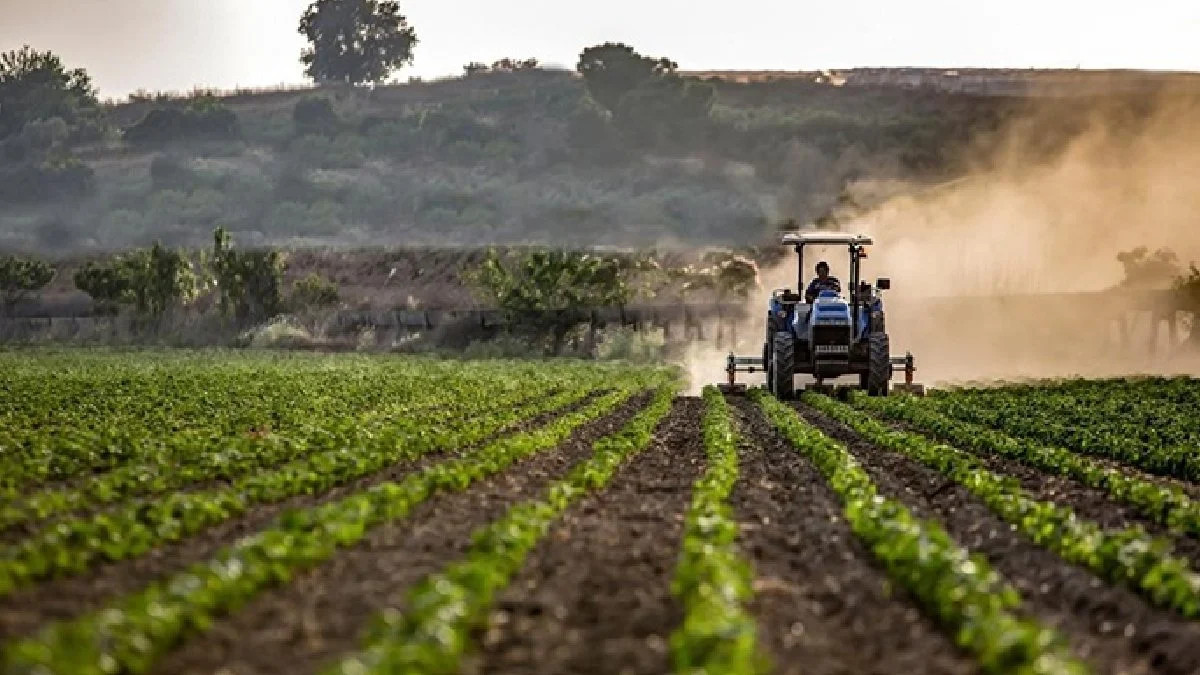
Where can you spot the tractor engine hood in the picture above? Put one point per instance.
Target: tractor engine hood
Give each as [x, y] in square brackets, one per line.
[830, 311]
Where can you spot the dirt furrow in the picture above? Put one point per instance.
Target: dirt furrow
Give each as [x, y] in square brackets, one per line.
[25, 610]
[1109, 626]
[821, 605]
[594, 596]
[322, 613]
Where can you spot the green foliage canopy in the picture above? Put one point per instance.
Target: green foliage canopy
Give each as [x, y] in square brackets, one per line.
[37, 86]
[153, 280]
[612, 70]
[249, 283]
[21, 276]
[355, 41]
[552, 279]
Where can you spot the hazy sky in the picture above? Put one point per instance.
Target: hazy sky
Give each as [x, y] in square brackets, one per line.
[177, 44]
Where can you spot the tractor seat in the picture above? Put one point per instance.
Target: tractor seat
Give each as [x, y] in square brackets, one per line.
[787, 295]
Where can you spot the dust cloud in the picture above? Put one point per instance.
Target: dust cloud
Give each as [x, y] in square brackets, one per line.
[977, 264]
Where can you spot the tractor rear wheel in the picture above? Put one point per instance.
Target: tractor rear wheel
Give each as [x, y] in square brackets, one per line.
[879, 367]
[783, 366]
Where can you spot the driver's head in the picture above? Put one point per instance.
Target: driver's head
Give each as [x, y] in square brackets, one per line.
[822, 269]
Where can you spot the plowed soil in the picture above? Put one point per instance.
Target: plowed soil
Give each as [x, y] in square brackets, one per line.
[23, 611]
[320, 614]
[594, 596]
[822, 606]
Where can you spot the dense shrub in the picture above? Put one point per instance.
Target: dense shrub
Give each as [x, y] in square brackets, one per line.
[202, 120]
[55, 180]
[315, 115]
[314, 291]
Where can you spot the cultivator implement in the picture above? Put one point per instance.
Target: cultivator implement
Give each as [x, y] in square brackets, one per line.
[754, 364]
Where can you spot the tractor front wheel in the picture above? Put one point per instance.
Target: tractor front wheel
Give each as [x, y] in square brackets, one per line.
[781, 374]
[879, 373]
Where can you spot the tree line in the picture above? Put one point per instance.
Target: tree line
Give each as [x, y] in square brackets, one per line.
[243, 285]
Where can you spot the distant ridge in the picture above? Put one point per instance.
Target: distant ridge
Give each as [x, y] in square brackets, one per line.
[987, 81]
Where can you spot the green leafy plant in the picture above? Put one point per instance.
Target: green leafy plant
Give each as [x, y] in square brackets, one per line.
[713, 581]
[1166, 504]
[435, 633]
[136, 629]
[1127, 556]
[961, 591]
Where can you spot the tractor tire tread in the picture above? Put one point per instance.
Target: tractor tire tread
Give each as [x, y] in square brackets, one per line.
[879, 373]
[783, 365]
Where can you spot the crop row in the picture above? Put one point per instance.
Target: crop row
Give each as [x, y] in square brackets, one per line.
[1164, 504]
[130, 530]
[435, 632]
[112, 413]
[187, 458]
[1129, 425]
[133, 632]
[1153, 390]
[1127, 556]
[961, 591]
[83, 435]
[712, 580]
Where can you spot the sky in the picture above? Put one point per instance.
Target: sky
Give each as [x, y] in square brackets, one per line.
[176, 45]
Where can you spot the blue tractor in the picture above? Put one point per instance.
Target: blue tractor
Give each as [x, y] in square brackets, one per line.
[829, 334]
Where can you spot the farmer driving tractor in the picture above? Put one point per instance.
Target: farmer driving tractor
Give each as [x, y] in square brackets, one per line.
[823, 282]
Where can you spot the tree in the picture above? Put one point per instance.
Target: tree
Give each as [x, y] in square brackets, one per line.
[37, 86]
[355, 41]
[612, 70]
[249, 283]
[153, 280]
[107, 284]
[22, 276]
[649, 102]
[548, 289]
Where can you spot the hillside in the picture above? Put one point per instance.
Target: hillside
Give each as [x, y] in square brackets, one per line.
[497, 157]
[522, 157]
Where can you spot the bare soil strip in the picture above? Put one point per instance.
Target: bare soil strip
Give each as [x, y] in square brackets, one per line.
[323, 613]
[594, 596]
[22, 612]
[1087, 502]
[822, 606]
[1110, 627]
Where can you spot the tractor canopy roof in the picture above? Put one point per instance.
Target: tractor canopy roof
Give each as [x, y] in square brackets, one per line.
[821, 238]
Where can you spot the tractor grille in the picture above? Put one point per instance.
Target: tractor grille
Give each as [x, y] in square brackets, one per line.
[830, 335]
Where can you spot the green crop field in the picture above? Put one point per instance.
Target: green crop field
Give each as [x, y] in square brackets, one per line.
[264, 512]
